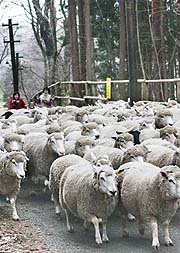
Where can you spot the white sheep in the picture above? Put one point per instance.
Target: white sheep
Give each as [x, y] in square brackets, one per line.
[114, 154]
[13, 142]
[93, 198]
[12, 170]
[42, 150]
[56, 170]
[162, 156]
[163, 118]
[151, 194]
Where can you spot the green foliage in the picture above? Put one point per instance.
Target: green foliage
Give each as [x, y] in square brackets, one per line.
[105, 34]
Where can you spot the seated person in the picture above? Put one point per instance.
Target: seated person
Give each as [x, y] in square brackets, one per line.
[16, 102]
[45, 99]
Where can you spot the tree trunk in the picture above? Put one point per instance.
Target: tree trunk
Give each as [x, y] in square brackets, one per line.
[82, 41]
[88, 40]
[76, 90]
[178, 48]
[157, 42]
[122, 87]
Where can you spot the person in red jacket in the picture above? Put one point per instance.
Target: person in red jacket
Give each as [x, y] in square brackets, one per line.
[16, 102]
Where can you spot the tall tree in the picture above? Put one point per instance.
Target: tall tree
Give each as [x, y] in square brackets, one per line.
[82, 40]
[76, 89]
[122, 56]
[157, 6]
[88, 40]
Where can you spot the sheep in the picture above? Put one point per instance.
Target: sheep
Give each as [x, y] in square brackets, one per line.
[168, 133]
[34, 126]
[83, 145]
[147, 133]
[114, 154]
[68, 123]
[136, 136]
[56, 170]
[111, 130]
[53, 128]
[135, 153]
[151, 194]
[162, 156]
[81, 115]
[13, 142]
[79, 147]
[12, 170]
[71, 129]
[88, 129]
[22, 119]
[123, 141]
[91, 184]
[40, 113]
[158, 142]
[42, 150]
[8, 126]
[163, 118]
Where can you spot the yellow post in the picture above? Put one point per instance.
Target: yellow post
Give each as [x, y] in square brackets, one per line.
[108, 88]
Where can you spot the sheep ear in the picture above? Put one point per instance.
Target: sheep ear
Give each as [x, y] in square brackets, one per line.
[164, 174]
[22, 152]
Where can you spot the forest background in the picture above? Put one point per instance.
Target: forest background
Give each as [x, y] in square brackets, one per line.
[62, 40]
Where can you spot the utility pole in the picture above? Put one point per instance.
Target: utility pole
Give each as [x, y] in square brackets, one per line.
[134, 87]
[13, 58]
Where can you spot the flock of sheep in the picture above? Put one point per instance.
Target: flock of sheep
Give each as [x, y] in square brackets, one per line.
[97, 158]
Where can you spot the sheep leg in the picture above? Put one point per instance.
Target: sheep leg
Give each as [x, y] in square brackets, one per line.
[86, 223]
[141, 227]
[56, 203]
[68, 221]
[124, 226]
[154, 229]
[13, 205]
[167, 239]
[104, 236]
[95, 222]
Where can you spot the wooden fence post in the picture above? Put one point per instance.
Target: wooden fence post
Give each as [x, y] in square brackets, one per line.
[178, 92]
[144, 91]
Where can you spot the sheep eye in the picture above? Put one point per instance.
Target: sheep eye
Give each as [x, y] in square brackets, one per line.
[98, 165]
[14, 162]
[102, 178]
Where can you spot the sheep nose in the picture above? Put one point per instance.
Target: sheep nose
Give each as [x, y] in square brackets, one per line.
[61, 153]
[113, 193]
[97, 136]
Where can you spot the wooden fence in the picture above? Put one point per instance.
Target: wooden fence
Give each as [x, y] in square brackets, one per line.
[93, 92]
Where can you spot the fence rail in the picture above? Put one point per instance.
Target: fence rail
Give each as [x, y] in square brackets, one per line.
[175, 83]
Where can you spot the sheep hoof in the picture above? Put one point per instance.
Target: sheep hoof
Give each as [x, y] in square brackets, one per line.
[16, 218]
[70, 229]
[125, 233]
[105, 239]
[156, 245]
[99, 241]
[169, 243]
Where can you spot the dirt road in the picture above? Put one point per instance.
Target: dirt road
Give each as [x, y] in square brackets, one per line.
[41, 231]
